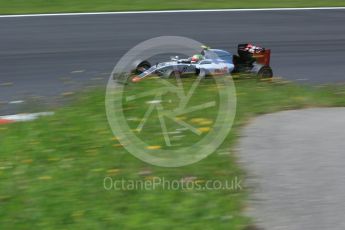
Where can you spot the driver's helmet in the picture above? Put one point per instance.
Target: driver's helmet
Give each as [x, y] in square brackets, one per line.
[196, 58]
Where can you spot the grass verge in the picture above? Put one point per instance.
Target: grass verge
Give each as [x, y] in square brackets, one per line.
[52, 170]
[55, 6]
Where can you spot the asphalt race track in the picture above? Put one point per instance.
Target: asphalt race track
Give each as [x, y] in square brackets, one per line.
[295, 174]
[44, 57]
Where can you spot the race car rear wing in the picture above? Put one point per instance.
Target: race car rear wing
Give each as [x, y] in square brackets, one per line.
[261, 55]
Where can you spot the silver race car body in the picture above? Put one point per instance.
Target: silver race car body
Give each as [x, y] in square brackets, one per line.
[249, 60]
[214, 62]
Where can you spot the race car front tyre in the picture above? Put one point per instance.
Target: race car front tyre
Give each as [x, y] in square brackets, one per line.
[142, 66]
[174, 74]
[202, 73]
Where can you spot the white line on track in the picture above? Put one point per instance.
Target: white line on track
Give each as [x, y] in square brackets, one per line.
[16, 102]
[172, 11]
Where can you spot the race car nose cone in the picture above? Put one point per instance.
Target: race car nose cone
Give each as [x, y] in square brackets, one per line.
[136, 79]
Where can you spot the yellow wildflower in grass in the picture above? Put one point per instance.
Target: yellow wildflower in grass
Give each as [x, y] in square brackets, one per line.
[153, 147]
[136, 130]
[145, 172]
[204, 129]
[78, 214]
[34, 143]
[91, 152]
[53, 159]
[202, 121]
[199, 181]
[206, 122]
[27, 161]
[197, 120]
[151, 178]
[113, 172]
[114, 139]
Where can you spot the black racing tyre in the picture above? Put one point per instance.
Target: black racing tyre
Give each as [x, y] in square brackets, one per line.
[265, 72]
[197, 72]
[144, 65]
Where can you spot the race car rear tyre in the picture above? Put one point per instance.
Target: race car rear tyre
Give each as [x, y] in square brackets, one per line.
[144, 65]
[265, 72]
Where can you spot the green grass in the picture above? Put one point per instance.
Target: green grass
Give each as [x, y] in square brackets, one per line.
[52, 169]
[54, 6]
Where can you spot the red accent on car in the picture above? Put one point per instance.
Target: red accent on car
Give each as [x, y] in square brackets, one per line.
[136, 79]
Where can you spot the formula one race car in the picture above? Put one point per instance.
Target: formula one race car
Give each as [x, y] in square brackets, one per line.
[250, 59]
